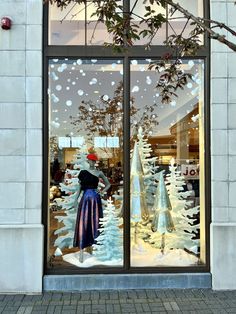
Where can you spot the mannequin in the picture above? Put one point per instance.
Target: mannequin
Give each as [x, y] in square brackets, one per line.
[90, 206]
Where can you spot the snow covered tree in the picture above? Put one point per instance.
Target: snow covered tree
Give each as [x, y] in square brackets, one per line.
[66, 233]
[109, 244]
[149, 167]
[119, 198]
[137, 191]
[162, 220]
[182, 214]
[175, 187]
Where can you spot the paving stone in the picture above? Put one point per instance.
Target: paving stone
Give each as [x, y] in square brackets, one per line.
[167, 306]
[230, 310]
[11, 308]
[146, 308]
[99, 308]
[141, 294]
[69, 307]
[38, 297]
[58, 309]
[85, 296]
[80, 308]
[95, 295]
[9, 297]
[75, 296]
[40, 308]
[109, 308]
[218, 311]
[73, 302]
[38, 303]
[17, 303]
[117, 308]
[87, 302]
[21, 310]
[151, 294]
[127, 301]
[1, 309]
[104, 295]
[51, 309]
[123, 294]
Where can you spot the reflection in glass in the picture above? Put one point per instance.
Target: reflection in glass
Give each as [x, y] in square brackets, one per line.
[86, 163]
[138, 14]
[167, 166]
[75, 25]
[177, 21]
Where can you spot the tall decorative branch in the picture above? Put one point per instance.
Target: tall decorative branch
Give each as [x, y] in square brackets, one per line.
[105, 118]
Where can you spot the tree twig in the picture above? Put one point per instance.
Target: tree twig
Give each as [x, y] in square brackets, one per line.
[199, 22]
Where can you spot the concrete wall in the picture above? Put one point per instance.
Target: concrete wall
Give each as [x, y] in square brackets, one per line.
[21, 231]
[223, 150]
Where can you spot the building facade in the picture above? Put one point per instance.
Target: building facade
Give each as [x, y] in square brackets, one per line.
[37, 80]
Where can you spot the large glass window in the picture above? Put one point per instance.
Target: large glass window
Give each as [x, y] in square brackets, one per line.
[126, 173]
[167, 167]
[176, 20]
[75, 25]
[86, 162]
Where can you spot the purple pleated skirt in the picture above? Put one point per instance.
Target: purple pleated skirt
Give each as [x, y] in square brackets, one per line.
[87, 221]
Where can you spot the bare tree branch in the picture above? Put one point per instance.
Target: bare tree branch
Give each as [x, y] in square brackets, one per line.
[199, 22]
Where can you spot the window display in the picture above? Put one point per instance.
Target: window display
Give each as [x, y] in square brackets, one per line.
[86, 173]
[87, 210]
[167, 166]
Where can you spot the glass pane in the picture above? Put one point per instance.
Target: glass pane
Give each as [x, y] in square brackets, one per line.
[167, 171]
[139, 12]
[86, 163]
[75, 26]
[177, 21]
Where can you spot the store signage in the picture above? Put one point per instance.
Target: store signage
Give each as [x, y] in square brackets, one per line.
[103, 141]
[113, 141]
[63, 142]
[190, 171]
[77, 141]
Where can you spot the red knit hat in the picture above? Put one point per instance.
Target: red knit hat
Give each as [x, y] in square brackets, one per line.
[92, 157]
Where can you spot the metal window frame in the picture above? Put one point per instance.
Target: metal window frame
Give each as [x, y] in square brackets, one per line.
[137, 52]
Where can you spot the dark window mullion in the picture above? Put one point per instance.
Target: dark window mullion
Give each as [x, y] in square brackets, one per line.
[126, 162]
[85, 23]
[126, 147]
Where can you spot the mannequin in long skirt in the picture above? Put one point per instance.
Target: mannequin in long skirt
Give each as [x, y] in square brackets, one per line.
[90, 206]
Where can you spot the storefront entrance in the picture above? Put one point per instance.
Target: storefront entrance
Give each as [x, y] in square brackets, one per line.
[127, 174]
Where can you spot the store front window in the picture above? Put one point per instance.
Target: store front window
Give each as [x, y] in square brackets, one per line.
[86, 142]
[126, 172]
[167, 166]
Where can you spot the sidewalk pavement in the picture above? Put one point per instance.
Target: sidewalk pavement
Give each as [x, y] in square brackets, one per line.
[122, 301]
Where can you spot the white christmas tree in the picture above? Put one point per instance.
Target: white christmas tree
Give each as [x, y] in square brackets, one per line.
[182, 214]
[149, 168]
[138, 211]
[70, 187]
[119, 198]
[162, 220]
[109, 244]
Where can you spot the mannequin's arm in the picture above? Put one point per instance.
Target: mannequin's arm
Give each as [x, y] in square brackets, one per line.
[105, 181]
[77, 196]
